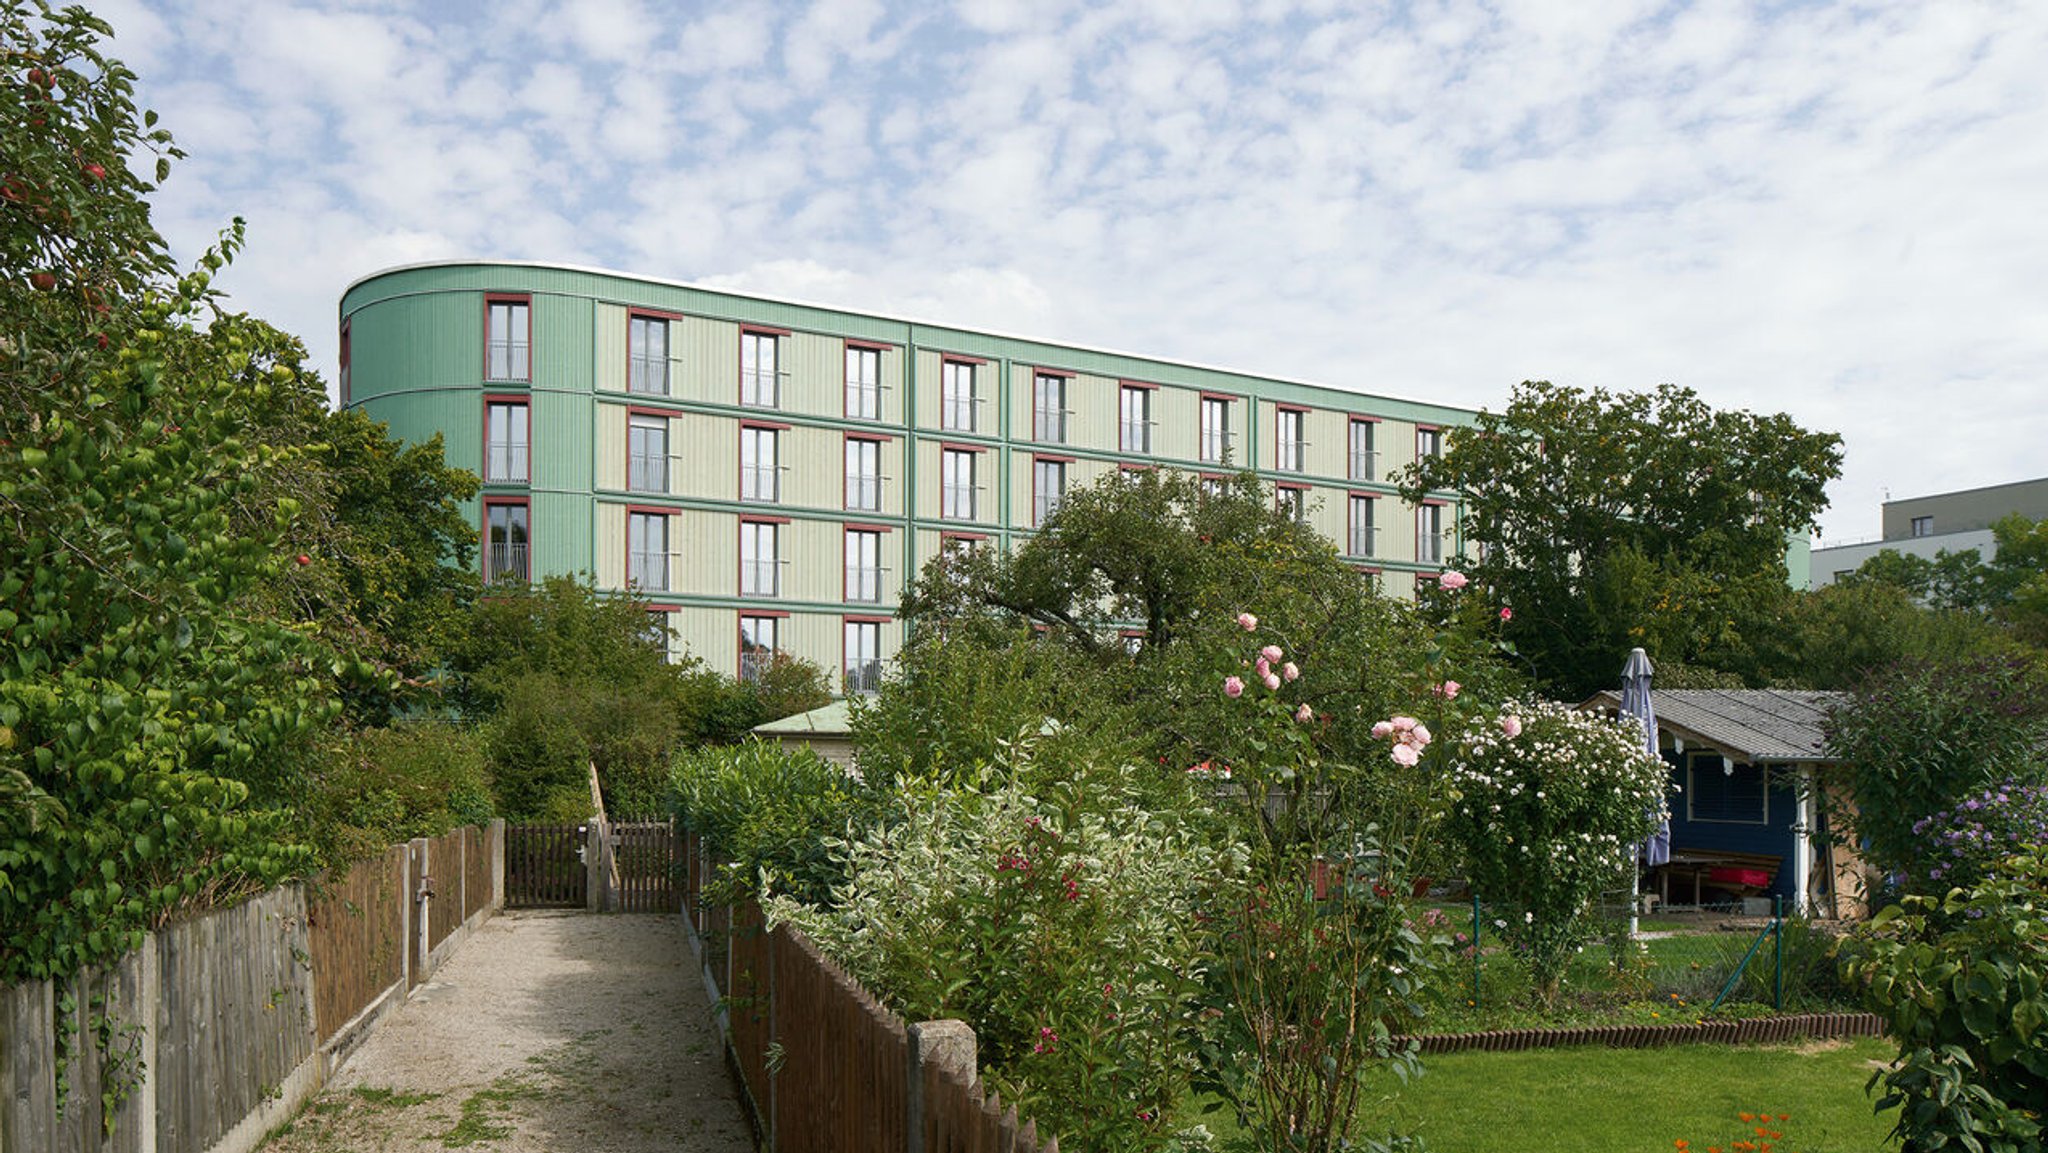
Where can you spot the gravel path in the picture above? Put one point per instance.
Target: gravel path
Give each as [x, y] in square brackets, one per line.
[545, 1033]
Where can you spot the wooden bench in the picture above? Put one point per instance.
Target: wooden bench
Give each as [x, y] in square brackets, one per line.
[1744, 874]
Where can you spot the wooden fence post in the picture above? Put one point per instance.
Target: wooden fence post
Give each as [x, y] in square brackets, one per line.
[938, 1045]
[28, 1078]
[497, 865]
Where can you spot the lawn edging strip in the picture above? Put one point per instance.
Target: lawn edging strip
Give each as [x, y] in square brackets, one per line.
[1747, 1031]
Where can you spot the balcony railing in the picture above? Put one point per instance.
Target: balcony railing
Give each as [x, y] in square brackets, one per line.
[1429, 547]
[863, 583]
[863, 677]
[754, 665]
[1365, 465]
[505, 462]
[760, 482]
[863, 492]
[648, 570]
[648, 374]
[647, 472]
[758, 387]
[505, 562]
[760, 578]
[1364, 540]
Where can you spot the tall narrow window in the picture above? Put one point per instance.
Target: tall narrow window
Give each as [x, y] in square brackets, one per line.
[863, 474]
[506, 332]
[957, 399]
[505, 542]
[863, 565]
[760, 374]
[956, 479]
[1134, 419]
[505, 440]
[1362, 529]
[1291, 444]
[1048, 485]
[863, 383]
[1049, 408]
[1428, 441]
[1429, 534]
[760, 472]
[757, 646]
[1215, 429]
[1364, 461]
[760, 559]
[1292, 502]
[345, 381]
[647, 454]
[647, 551]
[863, 656]
[647, 355]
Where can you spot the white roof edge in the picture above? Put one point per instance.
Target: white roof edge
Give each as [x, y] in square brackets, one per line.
[665, 282]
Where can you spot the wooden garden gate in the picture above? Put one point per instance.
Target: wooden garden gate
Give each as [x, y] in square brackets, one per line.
[614, 867]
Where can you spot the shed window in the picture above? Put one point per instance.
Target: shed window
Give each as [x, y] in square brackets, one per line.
[1723, 795]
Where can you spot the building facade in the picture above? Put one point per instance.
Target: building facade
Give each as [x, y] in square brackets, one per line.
[1925, 526]
[770, 474]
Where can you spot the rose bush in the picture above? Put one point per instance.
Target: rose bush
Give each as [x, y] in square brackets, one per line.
[1551, 804]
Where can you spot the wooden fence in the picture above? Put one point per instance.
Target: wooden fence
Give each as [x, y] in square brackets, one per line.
[223, 1024]
[822, 1064]
[604, 866]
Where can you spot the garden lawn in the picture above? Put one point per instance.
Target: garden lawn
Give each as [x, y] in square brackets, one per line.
[1627, 1100]
[1645, 1099]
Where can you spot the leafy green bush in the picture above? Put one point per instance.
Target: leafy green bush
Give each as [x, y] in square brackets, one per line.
[769, 813]
[1924, 736]
[384, 786]
[1960, 982]
[1067, 930]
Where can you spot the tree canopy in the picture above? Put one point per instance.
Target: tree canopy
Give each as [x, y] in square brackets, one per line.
[1607, 520]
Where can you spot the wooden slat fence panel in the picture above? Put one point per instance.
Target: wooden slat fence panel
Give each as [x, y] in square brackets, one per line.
[542, 867]
[444, 912]
[356, 928]
[28, 1074]
[646, 857]
[478, 870]
[234, 1016]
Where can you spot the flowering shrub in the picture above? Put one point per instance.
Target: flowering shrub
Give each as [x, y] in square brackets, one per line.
[1551, 803]
[1964, 842]
[1066, 931]
[1761, 1133]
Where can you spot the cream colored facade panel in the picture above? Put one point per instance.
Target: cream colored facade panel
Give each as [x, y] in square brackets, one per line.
[926, 499]
[1176, 423]
[1021, 376]
[708, 545]
[611, 446]
[707, 457]
[1398, 584]
[1395, 440]
[928, 378]
[1328, 436]
[710, 635]
[1327, 508]
[608, 347]
[814, 552]
[706, 355]
[678, 473]
[892, 385]
[815, 637]
[814, 380]
[608, 523]
[813, 467]
[1091, 407]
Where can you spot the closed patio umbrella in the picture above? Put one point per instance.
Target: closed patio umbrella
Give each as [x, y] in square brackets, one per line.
[1636, 702]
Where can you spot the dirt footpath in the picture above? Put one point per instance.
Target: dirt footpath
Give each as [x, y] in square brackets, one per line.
[545, 1033]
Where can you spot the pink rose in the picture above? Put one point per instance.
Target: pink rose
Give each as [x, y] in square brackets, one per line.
[1264, 666]
[1271, 652]
[1288, 672]
[1304, 714]
[1272, 682]
[1507, 614]
[1449, 690]
[1511, 725]
[1451, 580]
[1403, 724]
[1233, 687]
[1247, 622]
[1406, 755]
[1418, 736]
[1383, 730]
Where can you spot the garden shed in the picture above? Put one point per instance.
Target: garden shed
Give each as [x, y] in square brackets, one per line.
[826, 731]
[1749, 766]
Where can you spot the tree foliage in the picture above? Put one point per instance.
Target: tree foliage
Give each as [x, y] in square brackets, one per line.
[142, 696]
[1615, 519]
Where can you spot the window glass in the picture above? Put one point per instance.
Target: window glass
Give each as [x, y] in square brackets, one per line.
[1049, 409]
[505, 546]
[863, 565]
[864, 383]
[647, 454]
[506, 355]
[505, 432]
[760, 474]
[863, 656]
[760, 559]
[760, 375]
[647, 551]
[956, 496]
[647, 355]
[957, 399]
[863, 474]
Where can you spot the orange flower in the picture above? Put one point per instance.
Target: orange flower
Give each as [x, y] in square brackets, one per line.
[1680, 1143]
[1783, 1117]
[1747, 1116]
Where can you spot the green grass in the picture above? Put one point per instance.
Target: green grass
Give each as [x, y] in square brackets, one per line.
[1628, 1100]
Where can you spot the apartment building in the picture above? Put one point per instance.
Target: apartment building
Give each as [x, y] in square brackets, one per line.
[769, 474]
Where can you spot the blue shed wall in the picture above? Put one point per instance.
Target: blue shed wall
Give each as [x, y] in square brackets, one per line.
[1775, 837]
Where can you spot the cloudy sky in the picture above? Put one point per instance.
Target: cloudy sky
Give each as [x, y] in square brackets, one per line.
[1836, 210]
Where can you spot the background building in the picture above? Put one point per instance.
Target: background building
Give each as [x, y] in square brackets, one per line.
[1925, 525]
[769, 473]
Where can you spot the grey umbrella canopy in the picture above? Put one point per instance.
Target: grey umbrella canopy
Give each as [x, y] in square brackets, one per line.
[1636, 702]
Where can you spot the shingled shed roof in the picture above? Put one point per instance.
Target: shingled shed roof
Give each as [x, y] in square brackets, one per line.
[1755, 725]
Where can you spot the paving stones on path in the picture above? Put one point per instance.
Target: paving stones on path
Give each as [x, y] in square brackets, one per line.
[546, 1033]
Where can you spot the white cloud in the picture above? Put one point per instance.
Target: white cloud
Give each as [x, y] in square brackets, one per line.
[1825, 208]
